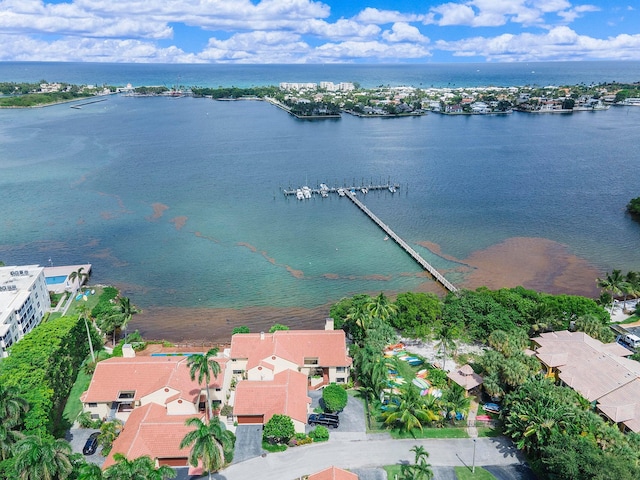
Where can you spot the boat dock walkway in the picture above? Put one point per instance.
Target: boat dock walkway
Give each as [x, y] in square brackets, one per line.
[404, 245]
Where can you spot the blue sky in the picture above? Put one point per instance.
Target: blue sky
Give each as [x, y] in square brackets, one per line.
[308, 31]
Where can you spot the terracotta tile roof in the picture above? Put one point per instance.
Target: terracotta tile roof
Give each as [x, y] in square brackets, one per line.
[150, 431]
[294, 345]
[466, 377]
[286, 394]
[145, 375]
[333, 473]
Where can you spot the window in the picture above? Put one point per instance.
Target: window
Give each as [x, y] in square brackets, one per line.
[95, 416]
[340, 380]
[311, 361]
[126, 395]
[93, 405]
[238, 372]
[340, 369]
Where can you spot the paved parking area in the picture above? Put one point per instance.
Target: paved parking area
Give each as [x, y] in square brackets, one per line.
[77, 438]
[352, 419]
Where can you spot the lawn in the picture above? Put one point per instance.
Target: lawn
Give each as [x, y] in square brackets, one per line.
[464, 473]
[447, 432]
[74, 406]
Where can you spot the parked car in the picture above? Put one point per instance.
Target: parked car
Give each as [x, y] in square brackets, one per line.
[91, 445]
[492, 407]
[329, 420]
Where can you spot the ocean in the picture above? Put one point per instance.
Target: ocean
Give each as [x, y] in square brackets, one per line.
[178, 201]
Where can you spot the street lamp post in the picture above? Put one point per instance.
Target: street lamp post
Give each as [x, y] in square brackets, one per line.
[473, 462]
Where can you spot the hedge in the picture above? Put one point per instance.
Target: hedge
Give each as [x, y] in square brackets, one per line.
[44, 365]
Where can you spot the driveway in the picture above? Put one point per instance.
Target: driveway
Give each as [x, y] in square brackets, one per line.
[352, 419]
[77, 438]
[248, 442]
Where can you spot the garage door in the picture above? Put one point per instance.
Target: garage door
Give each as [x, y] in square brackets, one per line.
[250, 419]
[173, 462]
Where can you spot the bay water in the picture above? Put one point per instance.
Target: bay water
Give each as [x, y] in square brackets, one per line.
[178, 200]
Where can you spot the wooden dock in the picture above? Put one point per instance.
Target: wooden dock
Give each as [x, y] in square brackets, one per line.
[415, 255]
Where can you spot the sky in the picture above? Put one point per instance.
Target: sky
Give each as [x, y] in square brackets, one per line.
[327, 31]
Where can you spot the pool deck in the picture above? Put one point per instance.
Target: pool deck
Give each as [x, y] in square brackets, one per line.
[65, 271]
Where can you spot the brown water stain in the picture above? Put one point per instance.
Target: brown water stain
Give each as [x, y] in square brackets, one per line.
[247, 245]
[158, 211]
[107, 215]
[179, 222]
[535, 263]
[107, 254]
[206, 237]
[214, 325]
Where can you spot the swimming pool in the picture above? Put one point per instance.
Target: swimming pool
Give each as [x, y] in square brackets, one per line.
[56, 280]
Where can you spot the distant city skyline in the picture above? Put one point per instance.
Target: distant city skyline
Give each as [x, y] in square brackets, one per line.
[329, 31]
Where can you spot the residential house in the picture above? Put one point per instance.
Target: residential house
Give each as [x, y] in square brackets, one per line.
[273, 371]
[600, 372]
[333, 473]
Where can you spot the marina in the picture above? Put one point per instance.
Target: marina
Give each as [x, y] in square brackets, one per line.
[323, 190]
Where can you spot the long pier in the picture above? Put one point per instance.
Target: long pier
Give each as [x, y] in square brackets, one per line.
[404, 245]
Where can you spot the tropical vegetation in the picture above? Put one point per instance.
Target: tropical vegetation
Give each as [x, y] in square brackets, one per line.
[334, 398]
[210, 443]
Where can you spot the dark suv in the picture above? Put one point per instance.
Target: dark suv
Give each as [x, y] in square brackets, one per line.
[329, 420]
[91, 444]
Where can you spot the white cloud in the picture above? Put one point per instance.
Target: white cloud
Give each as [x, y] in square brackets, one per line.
[257, 47]
[403, 32]
[369, 50]
[341, 29]
[571, 14]
[380, 17]
[560, 43]
[453, 14]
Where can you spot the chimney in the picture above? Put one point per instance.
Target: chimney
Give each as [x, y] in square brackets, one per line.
[261, 335]
[328, 324]
[128, 351]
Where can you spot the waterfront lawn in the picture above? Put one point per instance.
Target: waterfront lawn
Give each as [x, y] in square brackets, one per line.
[464, 473]
[73, 406]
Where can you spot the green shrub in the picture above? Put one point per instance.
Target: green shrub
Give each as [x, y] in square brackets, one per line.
[279, 429]
[319, 434]
[104, 305]
[334, 398]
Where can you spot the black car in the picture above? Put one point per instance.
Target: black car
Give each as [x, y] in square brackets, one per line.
[91, 444]
[329, 420]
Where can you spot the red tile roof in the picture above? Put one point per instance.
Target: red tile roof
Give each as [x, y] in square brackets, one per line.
[150, 431]
[333, 473]
[328, 346]
[145, 375]
[286, 394]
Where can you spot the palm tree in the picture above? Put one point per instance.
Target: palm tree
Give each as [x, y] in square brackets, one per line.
[455, 401]
[612, 283]
[380, 307]
[631, 286]
[90, 471]
[110, 324]
[84, 312]
[78, 275]
[12, 406]
[8, 438]
[109, 431]
[42, 458]
[359, 315]
[410, 411]
[420, 470]
[208, 443]
[141, 468]
[203, 366]
[446, 341]
[127, 310]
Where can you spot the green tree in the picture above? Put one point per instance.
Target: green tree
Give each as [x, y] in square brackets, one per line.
[420, 469]
[203, 366]
[127, 310]
[409, 411]
[240, 329]
[334, 398]
[78, 275]
[417, 313]
[209, 443]
[12, 406]
[380, 307]
[84, 312]
[277, 326]
[42, 458]
[109, 431]
[90, 471]
[141, 468]
[612, 283]
[279, 429]
[446, 338]
[633, 206]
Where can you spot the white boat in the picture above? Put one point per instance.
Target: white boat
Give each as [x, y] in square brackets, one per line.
[392, 189]
[341, 192]
[324, 193]
[323, 186]
[306, 191]
[364, 190]
[299, 194]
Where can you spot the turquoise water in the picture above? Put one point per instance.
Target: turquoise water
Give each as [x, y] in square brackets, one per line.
[80, 186]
